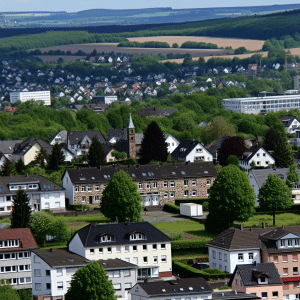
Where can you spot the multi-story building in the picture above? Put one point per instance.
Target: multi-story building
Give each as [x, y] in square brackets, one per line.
[26, 96]
[139, 243]
[290, 123]
[262, 105]
[52, 273]
[42, 192]
[15, 256]
[157, 184]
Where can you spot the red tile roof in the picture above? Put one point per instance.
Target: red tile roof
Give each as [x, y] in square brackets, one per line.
[25, 236]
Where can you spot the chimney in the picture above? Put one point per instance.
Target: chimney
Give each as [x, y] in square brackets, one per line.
[241, 227]
[27, 175]
[128, 222]
[250, 229]
[235, 291]
[263, 225]
[254, 263]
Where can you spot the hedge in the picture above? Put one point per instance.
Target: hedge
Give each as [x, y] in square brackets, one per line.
[172, 208]
[79, 207]
[295, 208]
[186, 245]
[196, 201]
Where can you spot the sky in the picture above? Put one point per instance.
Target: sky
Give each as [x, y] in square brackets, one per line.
[77, 5]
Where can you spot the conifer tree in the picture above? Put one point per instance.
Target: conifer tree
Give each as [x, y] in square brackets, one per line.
[8, 168]
[57, 157]
[96, 155]
[21, 210]
[20, 167]
[154, 146]
[41, 158]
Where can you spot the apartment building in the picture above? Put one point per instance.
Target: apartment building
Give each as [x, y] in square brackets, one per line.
[139, 243]
[157, 184]
[15, 256]
[26, 96]
[42, 192]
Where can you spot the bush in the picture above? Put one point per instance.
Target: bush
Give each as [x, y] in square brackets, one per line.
[80, 207]
[224, 287]
[196, 201]
[205, 206]
[185, 245]
[172, 208]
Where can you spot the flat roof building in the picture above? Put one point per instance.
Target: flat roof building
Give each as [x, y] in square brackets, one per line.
[26, 96]
[262, 105]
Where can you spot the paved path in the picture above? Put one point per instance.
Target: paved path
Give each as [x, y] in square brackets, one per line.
[161, 216]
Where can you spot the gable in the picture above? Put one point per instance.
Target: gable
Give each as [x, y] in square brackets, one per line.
[289, 236]
[85, 140]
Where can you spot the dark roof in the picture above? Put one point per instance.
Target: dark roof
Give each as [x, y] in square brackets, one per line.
[248, 154]
[7, 147]
[120, 231]
[185, 147]
[113, 264]
[216, 145]
[117, 133]
[233, 238]
[288, 119]
[232, 295]
[158, 112]
[174, 287]
[144, 172]
[23, 147]
[45, 185]
[75, 137]
[61, 258]
[62, 133]
[250, 273]
[25, 236]
[276, 233]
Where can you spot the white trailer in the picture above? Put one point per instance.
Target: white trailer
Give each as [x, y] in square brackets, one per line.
[191, 209]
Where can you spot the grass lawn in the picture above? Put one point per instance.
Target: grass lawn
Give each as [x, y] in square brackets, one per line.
[99, 218]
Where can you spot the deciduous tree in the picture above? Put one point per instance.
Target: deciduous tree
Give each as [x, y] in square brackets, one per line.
[231, 199]
[96, 155]
[275, 195]
[21, 210]
[91, 282]
[120, 199]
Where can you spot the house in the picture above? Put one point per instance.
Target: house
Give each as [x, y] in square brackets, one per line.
[158, 112]
[171, 142]
[79, 141]
[290, 123]
[185, 288]
[233, 295]
[262, 279]
[191, 151]
[157, 184]
[256, 156]
[42, 192]
[7, 149]
[139, 243]
[215, 146]
[53, 271]
[15, 256]
[61, 137]
[258, 178]
[28, 150]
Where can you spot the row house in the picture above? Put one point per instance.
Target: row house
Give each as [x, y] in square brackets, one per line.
[139, 243]
[157, 184]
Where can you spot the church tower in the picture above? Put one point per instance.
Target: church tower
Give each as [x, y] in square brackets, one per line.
[131, 139]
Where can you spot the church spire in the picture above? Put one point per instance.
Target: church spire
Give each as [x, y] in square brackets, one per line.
[130, 122]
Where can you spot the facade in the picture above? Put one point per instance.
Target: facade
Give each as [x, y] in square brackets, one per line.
[258, 156]
[191, 151]
[61, 138]
[171, 142]
[42, 192]
[157, 184]
[262, 280]
[290, 123]
[52, 273]
[139, 243]
[26, 96]
[15, 256]
[262, 105]
[105, 99]
[181, 289]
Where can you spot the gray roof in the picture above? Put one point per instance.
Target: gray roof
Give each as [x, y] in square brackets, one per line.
[116, 133]
[114, 264]
[153, 111]
[144, 172]
[233, 295]
[216, 145]
[287, 120]
[130, 122]
[7, 147]
[23, 147]
[261, 175]
[89, 235]
[75, 137]
[184, 148]
[180, 287]
[62, 133]
[250, 274]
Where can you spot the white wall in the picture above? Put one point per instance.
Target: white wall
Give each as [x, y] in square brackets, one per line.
[199, 151]
[67, 184]
[172, 144]
[76, 246]
[55, 200]
[262, 159]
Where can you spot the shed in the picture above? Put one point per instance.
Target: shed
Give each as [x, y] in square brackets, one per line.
[191, 209]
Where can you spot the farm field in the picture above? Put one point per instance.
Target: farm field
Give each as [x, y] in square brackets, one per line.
[251, 45]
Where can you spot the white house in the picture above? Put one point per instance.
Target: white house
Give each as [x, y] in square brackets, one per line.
[52, 273]
[231, 247]
[42, 192]
[60, 137]
[139, 243]
[191, 151]
[171, 141]
[258, 156]
[290, 123]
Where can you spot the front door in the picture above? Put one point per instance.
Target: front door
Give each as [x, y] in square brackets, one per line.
[91, 199]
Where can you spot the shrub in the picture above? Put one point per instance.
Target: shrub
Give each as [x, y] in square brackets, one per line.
[196, 201]
[224, 287]
[205, 206]
[172, 208]
[185, 245]
[80, 207]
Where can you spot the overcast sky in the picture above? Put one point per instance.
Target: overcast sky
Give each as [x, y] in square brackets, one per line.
[76, 5]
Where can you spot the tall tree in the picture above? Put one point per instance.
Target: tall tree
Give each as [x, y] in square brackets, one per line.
[91, 282]
[20, 167]
[21, 210]
[8, 168]
[154, 146]
[57, 157]
[120, 199]
[232, 145]
[292, 176]
[273, 138]
[231, 199]
[283, 155]
[96, 155]
[41, 158]
[275, 195]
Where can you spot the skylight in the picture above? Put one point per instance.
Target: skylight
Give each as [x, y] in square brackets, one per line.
[174, 290]
[48, 187]
[82, 178]
[1, 190]
[164, 290]
[182, 172]
[190, 288]
[133, 175]
[105, 176]
[93, 177]
[205, 172]
[44, 186]
[202, 287]
[144, 174]
[173, 173]
[181, 289]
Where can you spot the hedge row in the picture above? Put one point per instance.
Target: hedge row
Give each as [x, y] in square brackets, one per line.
[79, 207]
[191, 272]
[295, 208]
[172, 208]
[186, 245]
[196, 201]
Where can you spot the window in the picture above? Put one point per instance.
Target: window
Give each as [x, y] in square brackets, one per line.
[194, 193]
[194, 182]
[60, 285]
[48, 286]
[90, 189]
[208, 181]
[117, 286]
[116, 274]
[275, 259]
[251, 256]
[284, 258]
[282, 244]
[214, 265]
[275, 294]
[220, 256]
[164, 258]
[109, 250]
[92, 251]
[290, 243]
[155, 259]
[214, 254]
[296, 285]
[128, 286]
[185, 182]
[186, 193]
[172, 183]
[97, 199]
[148, 185]
[264, 295]
[59, 272]
[36, 259]
[134, 248]
[225, 256]
[97, 188]
[83, 188]
[126, 248]
[295, 257]
[155, 185]
[295, 271]
[83, 199]
[135, 260]
[37, 273]
[165, 194]
[126, 273]
[47, 272]
[76, 189]
[257, 154]
[285, 271]
[296, 242]
[38, 286]
[154, 246]
[240, 257]
[145, 259]
[220, 267]
[172, 194]
[163, 246]
[118, 249]
[101, 250]
[165, 183]
[236, 282]
[144, 247]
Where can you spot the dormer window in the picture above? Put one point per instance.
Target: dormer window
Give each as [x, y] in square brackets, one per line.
[263, 280]
[105, 238]
[282, 244]
[9, 243]
[297, 242]
[290, 243]
[137, 236]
